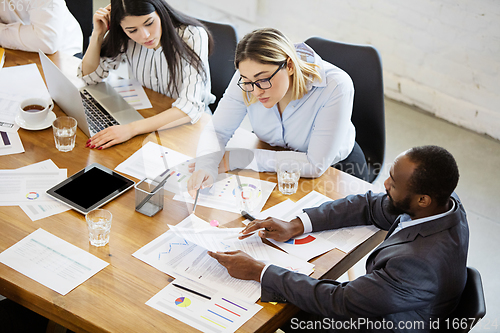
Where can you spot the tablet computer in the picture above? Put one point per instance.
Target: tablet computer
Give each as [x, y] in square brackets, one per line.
[90, 188]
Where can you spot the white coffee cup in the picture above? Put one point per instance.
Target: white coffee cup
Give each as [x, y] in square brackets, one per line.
[35, 110]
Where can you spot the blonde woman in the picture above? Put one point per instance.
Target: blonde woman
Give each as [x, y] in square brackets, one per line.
[294, 100]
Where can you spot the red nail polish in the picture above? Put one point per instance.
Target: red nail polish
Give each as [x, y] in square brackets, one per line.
[88, 145]
[88, 141]
[100, 148]
[92, 147]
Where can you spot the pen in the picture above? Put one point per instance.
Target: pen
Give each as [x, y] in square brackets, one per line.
[247, 216]
[192, 291]
[239, 234]
[196, 200]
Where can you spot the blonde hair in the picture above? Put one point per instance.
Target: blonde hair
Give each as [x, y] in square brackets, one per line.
[270, 46]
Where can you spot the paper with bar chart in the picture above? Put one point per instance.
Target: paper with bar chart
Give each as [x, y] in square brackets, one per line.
[178, 257]
[203, 308]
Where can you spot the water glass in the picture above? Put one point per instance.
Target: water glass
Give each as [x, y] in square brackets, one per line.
[99, 224]
[288, 176]
[64, 129]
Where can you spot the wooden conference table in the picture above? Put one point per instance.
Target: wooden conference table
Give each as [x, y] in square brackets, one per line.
[114, 299]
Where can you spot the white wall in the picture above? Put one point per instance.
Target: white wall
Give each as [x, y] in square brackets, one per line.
[440, 55]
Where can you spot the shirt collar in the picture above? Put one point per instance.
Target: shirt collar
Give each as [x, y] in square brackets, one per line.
[406, 221]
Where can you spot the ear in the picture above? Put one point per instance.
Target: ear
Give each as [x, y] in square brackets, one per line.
[290, 68]
[424, 201]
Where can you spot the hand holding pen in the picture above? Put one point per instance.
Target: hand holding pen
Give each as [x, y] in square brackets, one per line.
[274, 228]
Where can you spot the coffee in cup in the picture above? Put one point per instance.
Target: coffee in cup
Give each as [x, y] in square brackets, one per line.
[35, 110]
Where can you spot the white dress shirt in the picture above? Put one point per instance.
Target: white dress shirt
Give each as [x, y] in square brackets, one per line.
[150, 68]
[30, 25]
[317, 128]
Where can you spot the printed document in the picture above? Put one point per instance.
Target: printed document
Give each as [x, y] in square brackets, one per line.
[16, 84]
[202, 307]
[51, 261]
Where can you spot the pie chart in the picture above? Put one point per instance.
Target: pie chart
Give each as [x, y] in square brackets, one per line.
[183, 302]
[299, 241]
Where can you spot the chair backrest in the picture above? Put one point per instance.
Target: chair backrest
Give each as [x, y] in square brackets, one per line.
[471, 307]
[364, 66]
[82, 10]
[221, 60]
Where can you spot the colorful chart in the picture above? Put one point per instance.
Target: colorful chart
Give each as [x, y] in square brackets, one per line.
[183, 302]
[300, 241]
[249, 190]
[32, 195]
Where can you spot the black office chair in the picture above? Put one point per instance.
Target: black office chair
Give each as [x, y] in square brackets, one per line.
[221, 60]
[471, 306]
[364, 66]
[82, 10]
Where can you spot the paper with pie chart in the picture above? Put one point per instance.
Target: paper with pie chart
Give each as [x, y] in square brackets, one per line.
[223, 194]
[220, 313]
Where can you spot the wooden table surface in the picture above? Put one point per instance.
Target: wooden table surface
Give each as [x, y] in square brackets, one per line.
[114, 299]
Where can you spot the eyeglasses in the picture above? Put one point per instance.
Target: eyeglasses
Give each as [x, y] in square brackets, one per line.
[262, 84]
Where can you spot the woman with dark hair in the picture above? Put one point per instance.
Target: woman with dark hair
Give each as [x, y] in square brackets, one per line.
[164, 49]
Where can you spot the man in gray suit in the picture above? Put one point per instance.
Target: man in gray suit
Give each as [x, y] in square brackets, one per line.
[413, 278]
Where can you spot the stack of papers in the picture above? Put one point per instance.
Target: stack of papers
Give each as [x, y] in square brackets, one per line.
[26, 187]
[203, 294]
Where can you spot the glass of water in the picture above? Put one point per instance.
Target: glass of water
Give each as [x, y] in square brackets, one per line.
[99, 224]
[64, 129]
[288, 176]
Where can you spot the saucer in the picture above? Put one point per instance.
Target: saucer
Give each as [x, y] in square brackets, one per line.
[51, 116]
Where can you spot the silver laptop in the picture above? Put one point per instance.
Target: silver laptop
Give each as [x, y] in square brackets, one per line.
[94, 107]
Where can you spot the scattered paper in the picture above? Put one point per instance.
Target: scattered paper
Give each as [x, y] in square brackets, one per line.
[308, 246]
[26, 186]
[51, 261]
[220, 313]
[178, 257]
[223, 193]
[44, 209]
[20, 82]
[149, 162]
[131, 91]
[14, 146]
[222, 239]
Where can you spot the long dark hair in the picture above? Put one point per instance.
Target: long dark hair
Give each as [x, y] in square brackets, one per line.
[174, 47]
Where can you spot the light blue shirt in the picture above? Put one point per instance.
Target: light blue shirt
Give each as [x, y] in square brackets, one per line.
[317, 128]
[405, 220]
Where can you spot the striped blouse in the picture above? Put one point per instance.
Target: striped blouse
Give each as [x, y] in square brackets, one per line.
[150, 68]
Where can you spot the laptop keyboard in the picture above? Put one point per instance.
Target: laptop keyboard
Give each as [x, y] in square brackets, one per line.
[97, 117]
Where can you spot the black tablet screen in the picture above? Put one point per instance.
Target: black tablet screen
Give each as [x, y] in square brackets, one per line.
[91, 187]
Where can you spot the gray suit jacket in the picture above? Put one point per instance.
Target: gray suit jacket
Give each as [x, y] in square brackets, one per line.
[416, 276]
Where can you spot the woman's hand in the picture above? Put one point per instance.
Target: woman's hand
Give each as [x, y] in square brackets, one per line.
[101, 20]
[199, 180]
[223, 165]
[110, 136]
